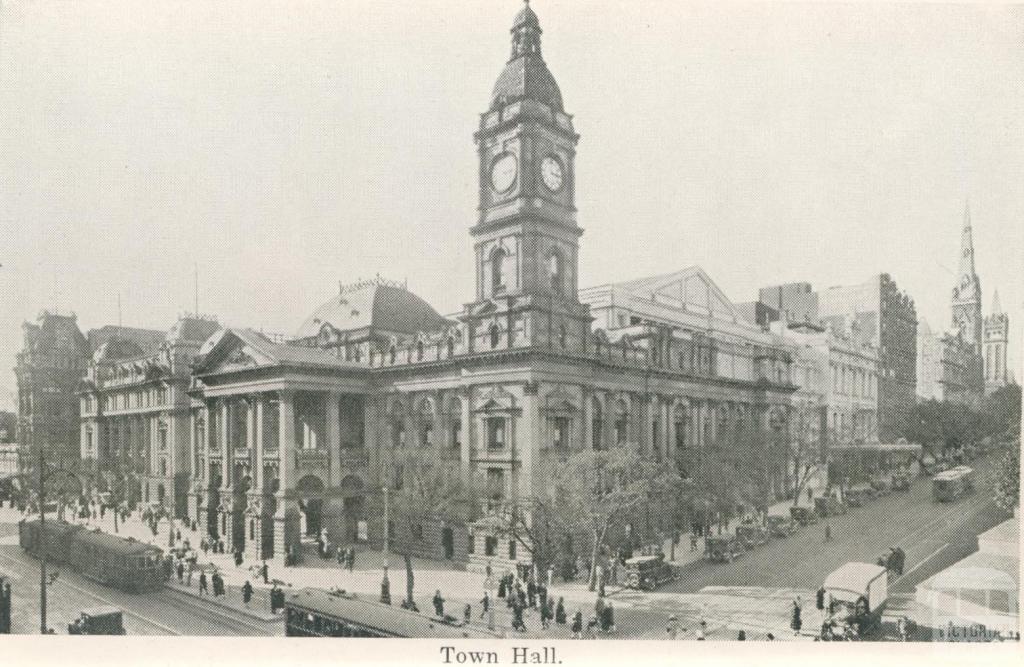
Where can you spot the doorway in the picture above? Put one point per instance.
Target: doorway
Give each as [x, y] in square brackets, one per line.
[448, 543]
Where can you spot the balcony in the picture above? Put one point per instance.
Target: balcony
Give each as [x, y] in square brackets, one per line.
[312, 458]
[242, 453]
[354, 458]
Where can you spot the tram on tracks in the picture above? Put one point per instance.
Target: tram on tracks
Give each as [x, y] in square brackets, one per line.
[311, 612]
[949, 485]
[118, 562]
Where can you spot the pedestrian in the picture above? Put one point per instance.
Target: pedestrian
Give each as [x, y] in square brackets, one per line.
[202, 584]
[795, 621]
[181, 572]
[501, 588]
[438, 604]
[609, 612]
[177, 536]
[577, 624]
[488, 569]
[542, 594]
[820, 598]
[246, 593]
[743, 635]
[560, 612]
[485, 604]
[901, 628]
[204, 546]
[701, 631]
[672, 629]
[520, 596]
[828, 532]
[467, 614]
[590, 629]
[810, 494]
[531, 593]
[350, 559]
[238, 558]
[770, 637]
[544, 619]
[517, 619]
[693, 542]
[103, 509]
[599, 607]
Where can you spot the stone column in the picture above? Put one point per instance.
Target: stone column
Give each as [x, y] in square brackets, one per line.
[332, 427]
[465, 448]
[527, 440]
[648, 407]
[588, 419]
[286, 519]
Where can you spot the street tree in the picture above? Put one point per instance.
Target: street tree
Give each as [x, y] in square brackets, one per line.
[808, 446]
[595, 490]
[1006, 485]
[424, 489]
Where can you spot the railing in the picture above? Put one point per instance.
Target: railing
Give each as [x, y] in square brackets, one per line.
[242, 452]
[312, 457]
[354, 458]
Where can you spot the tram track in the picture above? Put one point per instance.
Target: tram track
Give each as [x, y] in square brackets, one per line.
[210, 613]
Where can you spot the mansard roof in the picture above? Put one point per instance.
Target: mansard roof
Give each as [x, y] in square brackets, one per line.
[377, 305]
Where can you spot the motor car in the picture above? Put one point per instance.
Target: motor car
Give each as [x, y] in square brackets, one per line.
[648, 572]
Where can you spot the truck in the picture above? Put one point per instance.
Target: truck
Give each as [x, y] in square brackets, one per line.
[104, 620]
[856, 594]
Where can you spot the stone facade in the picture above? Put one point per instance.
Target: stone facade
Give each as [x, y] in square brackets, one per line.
[878, 313]
[135, 411]
[377, 395]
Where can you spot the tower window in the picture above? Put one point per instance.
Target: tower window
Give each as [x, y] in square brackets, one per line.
[495, 335]
[498, 270]
[556, 273]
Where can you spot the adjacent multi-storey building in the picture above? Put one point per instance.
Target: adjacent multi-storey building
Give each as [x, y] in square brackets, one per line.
[48, 369]
[876, 312]
[997, 337]
[135, 410]
[945, 366]
[377, 392]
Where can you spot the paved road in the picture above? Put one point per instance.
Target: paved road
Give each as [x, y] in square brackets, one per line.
[159, 613]
[933, 535]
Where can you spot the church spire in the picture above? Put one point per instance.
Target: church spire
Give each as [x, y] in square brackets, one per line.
[966, 245]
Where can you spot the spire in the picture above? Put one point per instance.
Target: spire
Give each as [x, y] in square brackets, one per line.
[966, 245]
[997, 308]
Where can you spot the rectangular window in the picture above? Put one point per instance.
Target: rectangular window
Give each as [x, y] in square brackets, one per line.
[471, 543]
[457, 434]
[512, 548]
[496, 433]
[560, 433]
[490, 545]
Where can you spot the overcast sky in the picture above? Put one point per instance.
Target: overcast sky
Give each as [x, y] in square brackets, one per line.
[284, 146]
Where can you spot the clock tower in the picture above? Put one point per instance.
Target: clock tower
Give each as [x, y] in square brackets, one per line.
[526, 239]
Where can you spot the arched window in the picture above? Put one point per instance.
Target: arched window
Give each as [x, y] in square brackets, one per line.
[498, 270]
[495, 335]
[556, 272]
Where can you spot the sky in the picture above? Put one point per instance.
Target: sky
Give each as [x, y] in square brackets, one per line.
[281, 147]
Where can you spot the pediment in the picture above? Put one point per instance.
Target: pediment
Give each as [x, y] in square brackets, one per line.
[496, 399]
[232, 353]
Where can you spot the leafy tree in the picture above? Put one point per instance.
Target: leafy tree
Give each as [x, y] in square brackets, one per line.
[429, 490]
[596, 490]
[1006, 485]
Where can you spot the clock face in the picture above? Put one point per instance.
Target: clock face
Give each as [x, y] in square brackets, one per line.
[551, 173]
[503, 172]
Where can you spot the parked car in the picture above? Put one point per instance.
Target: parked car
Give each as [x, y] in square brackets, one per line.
[881, 485]
[723, 548]
[829, 506]
[781, 526]
[857, 497]
[751, 535]
[803, 515]
[648, 572]
[901, 481]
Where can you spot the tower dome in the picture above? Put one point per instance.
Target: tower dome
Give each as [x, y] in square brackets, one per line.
[526, 76]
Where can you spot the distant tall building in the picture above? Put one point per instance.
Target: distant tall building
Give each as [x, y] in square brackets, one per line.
[997, 335]
[48, 369]
[794, 302]
[876, 312]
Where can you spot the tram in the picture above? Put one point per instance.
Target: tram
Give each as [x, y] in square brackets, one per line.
[114, 561]
[315, 613]
[953, 483]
